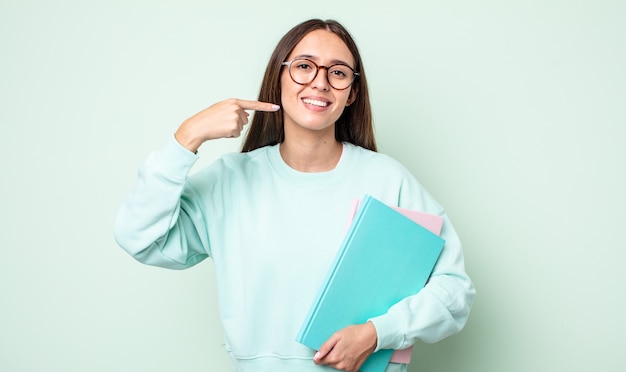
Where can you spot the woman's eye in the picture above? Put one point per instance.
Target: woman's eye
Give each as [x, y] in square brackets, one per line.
[338, 73]
[304, 66]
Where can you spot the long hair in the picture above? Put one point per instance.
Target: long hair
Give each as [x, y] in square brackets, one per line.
[355, 125]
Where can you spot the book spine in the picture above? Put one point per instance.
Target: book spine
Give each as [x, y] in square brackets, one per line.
[306, 325]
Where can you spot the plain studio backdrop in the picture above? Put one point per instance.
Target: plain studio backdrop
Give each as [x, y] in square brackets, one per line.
[512, 114]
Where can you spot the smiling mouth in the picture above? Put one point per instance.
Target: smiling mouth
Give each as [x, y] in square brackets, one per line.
[315, 102]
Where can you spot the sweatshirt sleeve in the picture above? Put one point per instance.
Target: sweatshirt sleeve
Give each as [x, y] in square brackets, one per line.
[160, 222]
[442, 307]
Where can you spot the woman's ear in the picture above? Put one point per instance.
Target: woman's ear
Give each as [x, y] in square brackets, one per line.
[352, 96]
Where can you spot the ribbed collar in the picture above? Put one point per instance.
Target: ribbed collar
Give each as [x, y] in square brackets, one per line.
[349, 158]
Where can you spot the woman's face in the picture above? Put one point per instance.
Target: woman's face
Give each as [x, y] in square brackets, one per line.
[316, 106]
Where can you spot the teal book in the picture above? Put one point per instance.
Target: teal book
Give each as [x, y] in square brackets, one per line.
[384, 257]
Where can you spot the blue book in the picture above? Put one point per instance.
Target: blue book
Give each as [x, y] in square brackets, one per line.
[384, 257]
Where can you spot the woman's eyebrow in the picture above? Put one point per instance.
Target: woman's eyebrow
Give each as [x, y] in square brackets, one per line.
[314, 58]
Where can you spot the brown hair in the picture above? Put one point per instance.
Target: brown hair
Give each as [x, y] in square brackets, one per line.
[355, 125]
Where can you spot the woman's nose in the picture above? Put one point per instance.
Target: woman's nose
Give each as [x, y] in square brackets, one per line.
[321, 80]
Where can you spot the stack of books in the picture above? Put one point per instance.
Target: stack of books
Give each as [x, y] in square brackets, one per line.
[387, 254]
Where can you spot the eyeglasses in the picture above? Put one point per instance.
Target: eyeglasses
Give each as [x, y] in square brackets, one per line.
[303, 71]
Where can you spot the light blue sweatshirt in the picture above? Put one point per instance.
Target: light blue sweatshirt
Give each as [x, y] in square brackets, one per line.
[272, 233]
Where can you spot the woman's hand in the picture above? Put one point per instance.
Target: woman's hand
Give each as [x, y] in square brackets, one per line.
[222, 120]
[348, 348]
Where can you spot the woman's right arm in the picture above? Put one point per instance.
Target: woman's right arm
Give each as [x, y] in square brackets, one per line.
[158, 223]
[161, 222]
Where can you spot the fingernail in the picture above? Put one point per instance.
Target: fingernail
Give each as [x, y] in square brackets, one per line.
[275, 107]
[317, 355]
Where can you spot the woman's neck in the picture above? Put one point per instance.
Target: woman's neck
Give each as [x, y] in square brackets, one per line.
[312, 155]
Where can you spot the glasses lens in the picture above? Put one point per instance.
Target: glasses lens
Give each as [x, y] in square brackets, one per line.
[340, 76]
[302, 71]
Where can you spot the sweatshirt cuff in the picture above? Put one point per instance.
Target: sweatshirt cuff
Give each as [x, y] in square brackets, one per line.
[174, 160]
[389, 331]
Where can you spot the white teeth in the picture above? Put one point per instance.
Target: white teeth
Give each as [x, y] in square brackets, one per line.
[315, 102]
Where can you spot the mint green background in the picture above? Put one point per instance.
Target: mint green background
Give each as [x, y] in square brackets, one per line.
[512, 113]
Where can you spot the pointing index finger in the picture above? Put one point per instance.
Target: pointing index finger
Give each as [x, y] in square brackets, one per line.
[258, 105]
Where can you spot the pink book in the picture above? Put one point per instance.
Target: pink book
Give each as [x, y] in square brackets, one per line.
[431, 222]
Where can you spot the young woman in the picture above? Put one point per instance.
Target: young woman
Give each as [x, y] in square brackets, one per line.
[273, 216]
